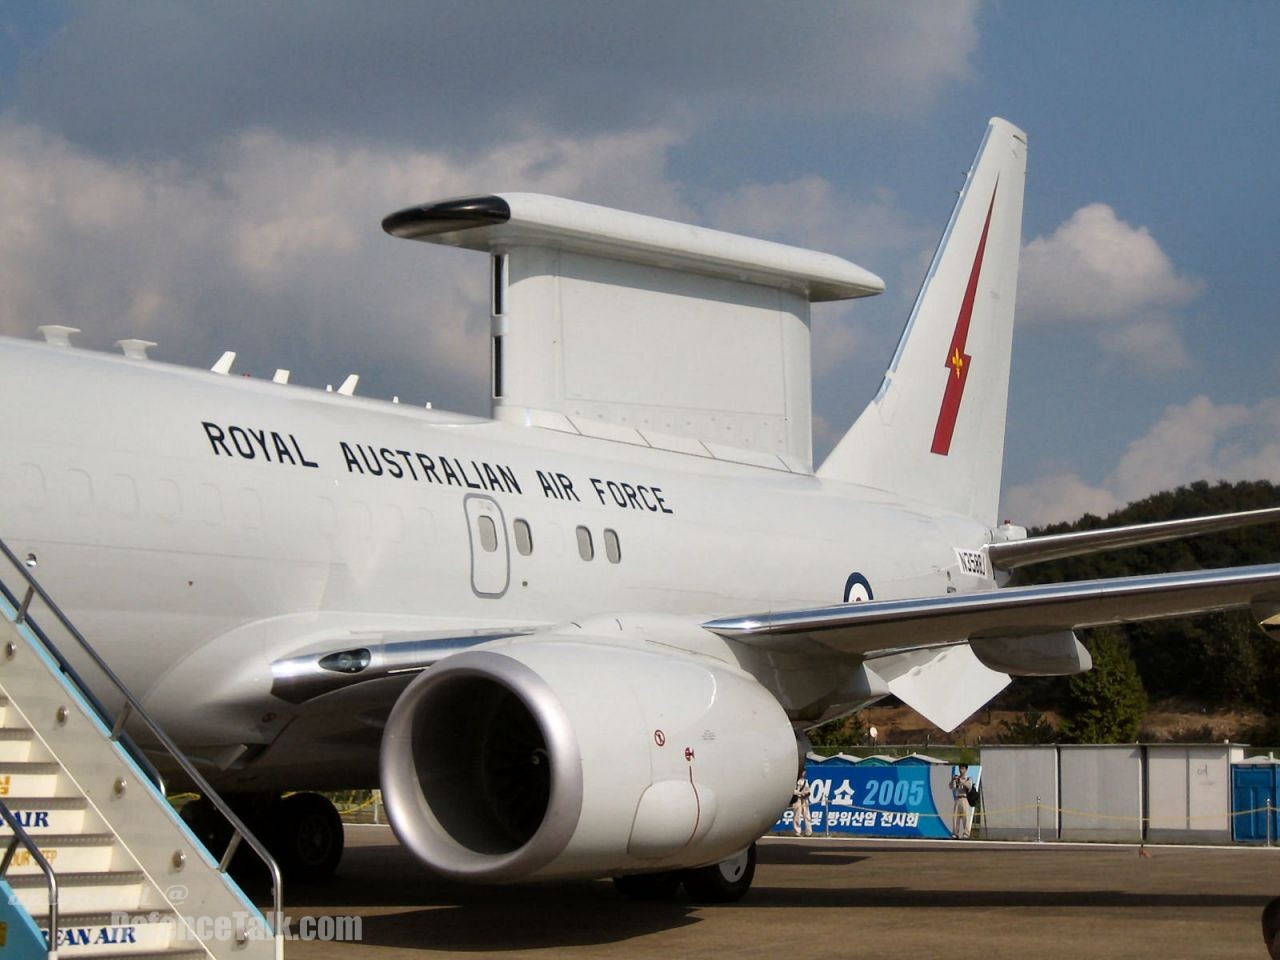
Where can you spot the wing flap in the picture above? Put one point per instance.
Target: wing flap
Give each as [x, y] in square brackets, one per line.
[944, 685]
[879, 627]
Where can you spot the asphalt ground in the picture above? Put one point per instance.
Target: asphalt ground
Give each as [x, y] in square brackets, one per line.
[816, 898]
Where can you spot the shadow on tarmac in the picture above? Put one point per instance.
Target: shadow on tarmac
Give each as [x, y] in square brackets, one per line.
[403, 905]
[852, 898]
[556, 919]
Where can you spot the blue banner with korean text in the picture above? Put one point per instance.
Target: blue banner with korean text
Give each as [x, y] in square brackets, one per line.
[878, 799]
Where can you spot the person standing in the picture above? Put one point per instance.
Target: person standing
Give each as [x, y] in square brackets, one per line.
[960, 787]
[800, 807]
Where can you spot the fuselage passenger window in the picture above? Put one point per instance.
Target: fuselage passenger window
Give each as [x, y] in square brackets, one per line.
[586, 549]
[612, 549]
[524, 537]
[488, 534]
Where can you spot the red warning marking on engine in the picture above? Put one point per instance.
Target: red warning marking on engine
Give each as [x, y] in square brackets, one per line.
[659, 738]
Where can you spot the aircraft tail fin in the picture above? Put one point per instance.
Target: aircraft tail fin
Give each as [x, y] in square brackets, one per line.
[935, 430]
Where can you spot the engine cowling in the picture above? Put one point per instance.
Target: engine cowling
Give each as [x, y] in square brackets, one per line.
[558, 758]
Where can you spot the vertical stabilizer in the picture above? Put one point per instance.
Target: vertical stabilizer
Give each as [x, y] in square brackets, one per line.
[935, 430]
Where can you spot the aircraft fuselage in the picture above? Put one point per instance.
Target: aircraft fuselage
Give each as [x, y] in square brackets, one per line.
[199, 527]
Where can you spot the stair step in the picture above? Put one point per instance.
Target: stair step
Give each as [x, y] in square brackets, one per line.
[174, 953]
[114, 934]
[82, 879]
[15, 744]
[29, 778]
[73, 853]
[41, 815]
[77, 840]
[107, 905]
[90, 892]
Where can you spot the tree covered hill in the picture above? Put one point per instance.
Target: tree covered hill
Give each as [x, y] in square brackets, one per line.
[1218, 661]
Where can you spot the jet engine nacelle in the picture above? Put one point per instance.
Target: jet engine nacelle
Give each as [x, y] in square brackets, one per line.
[554, 758]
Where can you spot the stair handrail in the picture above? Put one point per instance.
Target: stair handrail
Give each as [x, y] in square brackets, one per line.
[239, 832]
[126, 742]
[20, 836]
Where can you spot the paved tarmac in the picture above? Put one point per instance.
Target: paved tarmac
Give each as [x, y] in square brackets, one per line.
[823, 898]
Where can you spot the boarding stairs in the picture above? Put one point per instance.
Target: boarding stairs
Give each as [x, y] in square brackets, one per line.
[95, 860]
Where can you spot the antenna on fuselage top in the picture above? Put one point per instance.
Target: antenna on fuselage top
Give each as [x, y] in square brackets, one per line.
[56, 335]
[223, 366]
[348, 388]
[281, 376]
[135, 349]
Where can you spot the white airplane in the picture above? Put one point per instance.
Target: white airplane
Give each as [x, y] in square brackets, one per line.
[583, 637]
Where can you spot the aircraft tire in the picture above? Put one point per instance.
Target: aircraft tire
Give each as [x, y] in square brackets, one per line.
[649, 886]
[722, 882]
[306, 837]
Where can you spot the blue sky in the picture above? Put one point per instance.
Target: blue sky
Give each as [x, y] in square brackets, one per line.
[211, 176]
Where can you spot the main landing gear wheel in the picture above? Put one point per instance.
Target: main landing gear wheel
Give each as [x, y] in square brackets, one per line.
[649, 886]
[306, 837]
[722, 882]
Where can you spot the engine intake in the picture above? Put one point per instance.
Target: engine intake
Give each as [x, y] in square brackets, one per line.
[565, 758]
[470, 772]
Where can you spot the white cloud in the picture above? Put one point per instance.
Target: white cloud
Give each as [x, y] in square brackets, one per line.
[1199, 440]
[1096, 268]
[275, 250]
[835, 340]
[1056, 498]
[811, 212]
[1100, 272]
[1154, 346]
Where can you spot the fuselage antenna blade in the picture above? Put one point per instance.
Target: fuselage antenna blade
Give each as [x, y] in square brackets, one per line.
[135, 349]
[55, 334]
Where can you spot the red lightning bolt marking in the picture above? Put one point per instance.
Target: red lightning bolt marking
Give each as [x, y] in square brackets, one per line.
[957, 360]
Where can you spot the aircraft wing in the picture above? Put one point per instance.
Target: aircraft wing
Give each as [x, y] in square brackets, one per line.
[883, 626]
[1012, 554]
[947, 656]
